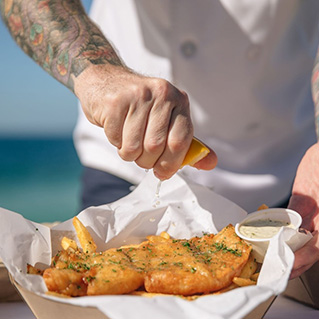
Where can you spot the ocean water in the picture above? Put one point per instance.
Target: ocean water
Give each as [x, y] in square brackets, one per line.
[40, 178]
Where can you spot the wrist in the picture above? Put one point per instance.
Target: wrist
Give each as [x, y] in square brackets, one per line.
[94, 77]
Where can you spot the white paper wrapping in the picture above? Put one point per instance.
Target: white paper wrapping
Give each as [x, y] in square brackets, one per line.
[184, 210]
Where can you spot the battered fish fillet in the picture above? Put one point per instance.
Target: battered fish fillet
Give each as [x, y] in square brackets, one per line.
[105, 273]
[188, 267]
[162, 265]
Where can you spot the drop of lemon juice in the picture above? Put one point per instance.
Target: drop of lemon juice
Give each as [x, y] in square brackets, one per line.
[157, 194]
[156, 200]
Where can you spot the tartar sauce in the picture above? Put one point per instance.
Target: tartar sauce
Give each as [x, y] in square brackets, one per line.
[262, 228]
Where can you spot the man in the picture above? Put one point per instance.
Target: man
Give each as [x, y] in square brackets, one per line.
[245, 66]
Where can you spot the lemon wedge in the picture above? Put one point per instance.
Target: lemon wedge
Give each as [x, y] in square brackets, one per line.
[195, 153]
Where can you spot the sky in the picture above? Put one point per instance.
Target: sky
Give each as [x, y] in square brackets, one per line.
[32, 103]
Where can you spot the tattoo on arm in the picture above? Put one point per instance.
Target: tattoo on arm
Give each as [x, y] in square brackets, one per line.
[315, 91]
[58, 35]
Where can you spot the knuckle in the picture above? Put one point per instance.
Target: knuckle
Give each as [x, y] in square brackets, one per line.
[167, 92]
[130, 152]
[162, 87]
[154, 145]
[113, 100]
[177, 145]
[143, 92]
[185, 99]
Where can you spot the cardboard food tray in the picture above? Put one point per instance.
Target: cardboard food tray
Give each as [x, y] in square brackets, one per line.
[180, 215]
[7, 290]
[305, 288]
[48, 309]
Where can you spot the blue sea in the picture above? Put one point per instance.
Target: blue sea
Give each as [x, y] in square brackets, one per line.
[40, 178]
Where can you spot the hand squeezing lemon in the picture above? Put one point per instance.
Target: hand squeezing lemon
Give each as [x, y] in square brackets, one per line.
[199, 156]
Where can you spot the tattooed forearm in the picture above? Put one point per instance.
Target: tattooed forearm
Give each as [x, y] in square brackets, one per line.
[315, 91]
[58, 35]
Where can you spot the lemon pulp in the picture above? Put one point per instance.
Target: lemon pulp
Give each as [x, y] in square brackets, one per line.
[195, 153]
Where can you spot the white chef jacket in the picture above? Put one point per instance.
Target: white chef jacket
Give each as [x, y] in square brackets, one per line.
[246, 66]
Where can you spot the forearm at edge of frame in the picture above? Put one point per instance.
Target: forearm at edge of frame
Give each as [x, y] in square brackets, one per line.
[58, 35]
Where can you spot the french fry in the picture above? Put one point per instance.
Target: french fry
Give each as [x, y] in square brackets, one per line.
[243, 282]
[31, 270]
[249, 269]
[165, 235]
[87, 243]
[67, 243]
[255, 276]
[263, 206]
[230, 287]
[156, 239]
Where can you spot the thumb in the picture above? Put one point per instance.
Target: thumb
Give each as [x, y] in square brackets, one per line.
[208, 162]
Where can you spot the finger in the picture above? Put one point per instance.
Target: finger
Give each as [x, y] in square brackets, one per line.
[134, 128]
[156, 135]
[306, 207]
[298, 272]
[208, 162]
[114, 119]
[161, 117]
[306, 256]
[166, 96]
[178, 141]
